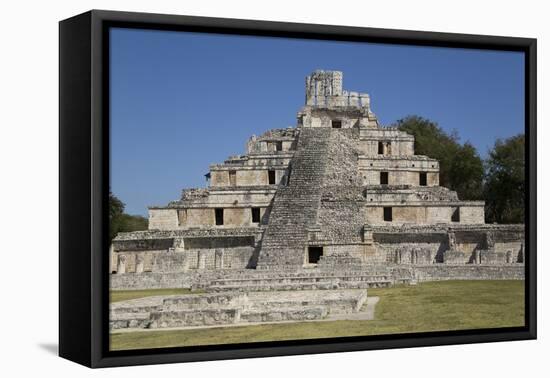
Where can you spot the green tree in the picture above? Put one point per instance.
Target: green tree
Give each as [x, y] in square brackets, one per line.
[466, 173]
[119, 221]
[460, 166]
[116, 206]
[505, 181]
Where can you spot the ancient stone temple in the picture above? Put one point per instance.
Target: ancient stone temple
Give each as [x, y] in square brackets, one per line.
[336, 201]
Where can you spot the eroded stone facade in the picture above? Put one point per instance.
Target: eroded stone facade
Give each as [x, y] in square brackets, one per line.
[338, 192]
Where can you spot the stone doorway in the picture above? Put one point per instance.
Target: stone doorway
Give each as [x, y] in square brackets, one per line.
[314, 254]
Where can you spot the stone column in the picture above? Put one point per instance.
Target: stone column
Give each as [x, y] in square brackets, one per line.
[121, 266]
[219, 259]
[521, 256]
[509, 257]
[179, 245]
[452, 241]
[112, 258]
[139, 263]
[202, 260]
[489, 241]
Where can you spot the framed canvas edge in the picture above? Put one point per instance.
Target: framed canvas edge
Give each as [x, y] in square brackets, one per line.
[92, 263]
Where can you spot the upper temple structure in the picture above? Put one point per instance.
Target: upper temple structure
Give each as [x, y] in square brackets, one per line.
[338, 196]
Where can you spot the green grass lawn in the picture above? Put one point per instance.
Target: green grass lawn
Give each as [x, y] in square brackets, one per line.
[432, 306]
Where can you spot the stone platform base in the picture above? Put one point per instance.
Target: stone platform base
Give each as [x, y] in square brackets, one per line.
[301, 281]
[444, 272]
[307, 279]
[232, 308]
[255, 280]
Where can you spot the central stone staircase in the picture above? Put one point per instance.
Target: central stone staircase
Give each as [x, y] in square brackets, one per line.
[295, 206]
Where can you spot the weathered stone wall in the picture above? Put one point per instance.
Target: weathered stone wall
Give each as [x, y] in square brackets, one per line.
[220, 253]
[415, 195]
[423, 213]
[197, 217]
[232, 217]
[469, 272]
[150, 280]
[374, 255]
[236, 203]
[325, 118]
[395, 177]
[412, 253]
[417, 163]
[163, 219]
[460, 244]
[194, 253]
[133, 261]
[237, 217]
[140, 245]
[350, 255]
[321, 84]
[400, 171]
[400, 143]
[472, 214]
[324, 90]
[221, 197]
[245, 177]
[268, 143]
[136, 255]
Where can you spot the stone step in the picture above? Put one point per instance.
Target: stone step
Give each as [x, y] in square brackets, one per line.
[190, 318]
[337, 302]
[129, 320]
[193, 301]
[326, 285]
[269, 306]
[285, 314]
[254, 274]
[300, 279]
[133, 310]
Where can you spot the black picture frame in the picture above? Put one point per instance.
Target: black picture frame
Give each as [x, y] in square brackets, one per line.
[84, 185]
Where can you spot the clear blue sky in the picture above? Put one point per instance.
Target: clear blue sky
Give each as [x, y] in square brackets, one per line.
[181, 101]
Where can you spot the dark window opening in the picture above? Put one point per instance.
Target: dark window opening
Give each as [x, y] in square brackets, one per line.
[383, 178]
[113, 272]
[456, 215]
[255, 215]
[314, 254]
[278, 146]
[380, 148]
[388, 216]
[219, 217]
[423, 179]
[233, 178]
[336, 124]
[271, 177]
